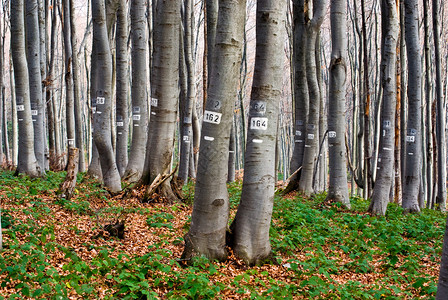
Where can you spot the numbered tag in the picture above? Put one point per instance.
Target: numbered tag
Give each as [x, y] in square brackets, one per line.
[136, 109]
[34, 112]
[100, 100]
[410, 139]
[298, 133]
[331, 134]
[20, 107]
[212, 117]
[120, 124]
[311, 136]
[259, 123]
[186, 138]
[154, 102]
[136, 117]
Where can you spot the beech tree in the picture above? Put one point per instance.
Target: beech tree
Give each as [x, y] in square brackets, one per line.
[250, 229]
[27, 162]
[207, 232]
[338, 187]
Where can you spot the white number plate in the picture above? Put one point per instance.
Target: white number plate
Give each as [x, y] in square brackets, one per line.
[20, 107]
[259, 123]
[136, 117]
[212, 117]
[100, 100]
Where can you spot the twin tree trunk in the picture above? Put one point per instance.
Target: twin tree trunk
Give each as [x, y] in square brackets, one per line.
[207, 234]
[338, 188]
[250, 229]
[385, 173]
[27, 162]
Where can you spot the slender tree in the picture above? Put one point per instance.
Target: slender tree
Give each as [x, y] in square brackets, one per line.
[338, 188]
[250, 229]
[211, 204]
[27, 162]
[414, 96]
[102, 97]
[385, 173]
[134, 169]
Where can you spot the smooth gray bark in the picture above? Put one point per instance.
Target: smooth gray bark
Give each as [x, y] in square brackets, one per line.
[211, 204]
[35, 80]
[102, 98]
[338, 188]
[27, 162]
[122, 109]
[250, 229]
[134, 169]
[413, 156]
[385, 173]
[164, 96]
[441, 113]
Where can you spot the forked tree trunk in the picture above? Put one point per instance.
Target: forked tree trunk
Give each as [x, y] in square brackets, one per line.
[414, 93]
[134, 169]
[35, 80]
[250, 229]
[27, 162]
[122, 115]
[385, 173]
[211, 204]
[164, 96]
[338, 188]
[102, 98]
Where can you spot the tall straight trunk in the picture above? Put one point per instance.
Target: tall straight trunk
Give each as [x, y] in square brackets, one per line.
[3, 129]
[187, 108]
[134, 169]
[397, 164]
[69, 93]
[122, 109]
[231, 163]
[35, 80]
[43, 43]
[441, 113]
[78, 106]
[15, 130]
[385, 173]
[102, 98]
[414, 96]
[300, 86]
[27, 162]
[311, 138]
[250, 228]
[49, 91]
[211, 204]
[338, 188]
[164, 96]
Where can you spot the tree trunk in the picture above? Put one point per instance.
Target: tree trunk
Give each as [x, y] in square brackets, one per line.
[35, 80]
[164, 96]
[102, 98]
[338, 188]
[211, 204]
[122, 115]
[134, 170]
[250, 229]
[385, 173]
[414, 95]
[27, 162]
[441, 114]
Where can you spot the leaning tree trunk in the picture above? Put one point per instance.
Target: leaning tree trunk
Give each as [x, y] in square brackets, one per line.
[301, 96]
[385, 173]
[414, 93]
[338, 188]
[134, 169]
[102, 98]
[35, 80]
[441, 115]
[27, 162]
[250, 229]
[311, 137]
[122, 118]
[211, 204]
[164, 96]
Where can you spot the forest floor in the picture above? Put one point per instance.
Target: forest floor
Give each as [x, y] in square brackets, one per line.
[58, 249]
